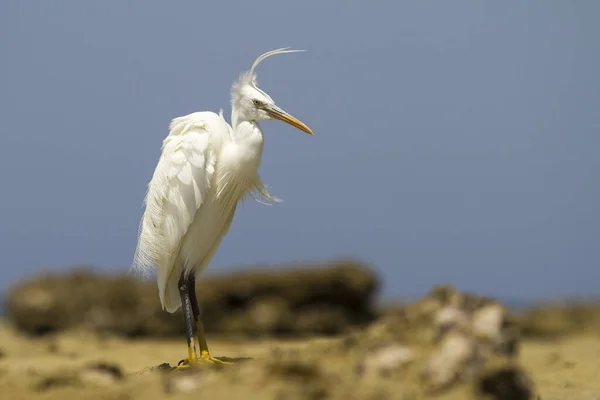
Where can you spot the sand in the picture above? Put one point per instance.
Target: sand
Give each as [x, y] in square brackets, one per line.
[61, 367]
[304, 333]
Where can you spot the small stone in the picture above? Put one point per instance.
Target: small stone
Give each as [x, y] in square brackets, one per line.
[385, 360]
[454, 358]
[184, 381]
[508, 383]
[163, 367]
[58, 380]
[182, 384]
[101, 374]
[492, 324]
[487, 322]
[449, 318]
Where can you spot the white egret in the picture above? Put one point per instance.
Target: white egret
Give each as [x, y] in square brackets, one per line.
[205, 168]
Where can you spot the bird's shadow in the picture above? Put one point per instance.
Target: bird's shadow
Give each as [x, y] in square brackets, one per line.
[227, 360]
[233, 359]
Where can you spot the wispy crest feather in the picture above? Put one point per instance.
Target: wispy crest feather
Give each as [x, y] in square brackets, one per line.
[249, 77]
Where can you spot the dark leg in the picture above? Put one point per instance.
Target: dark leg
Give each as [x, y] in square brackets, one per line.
[188, 314]
[197, 347]
[191, 283]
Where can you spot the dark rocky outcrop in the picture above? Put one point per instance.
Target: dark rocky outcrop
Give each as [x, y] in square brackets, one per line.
[269, 301]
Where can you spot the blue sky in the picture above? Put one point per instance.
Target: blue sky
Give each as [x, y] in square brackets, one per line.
[454, 141]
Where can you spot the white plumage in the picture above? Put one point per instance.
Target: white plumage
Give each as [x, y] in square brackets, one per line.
[206, 167]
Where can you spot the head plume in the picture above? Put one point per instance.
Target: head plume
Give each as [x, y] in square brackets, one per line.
[247, 80]
[249, 77]
[268, 54]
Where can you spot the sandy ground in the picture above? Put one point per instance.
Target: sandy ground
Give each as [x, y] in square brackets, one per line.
[57, 367]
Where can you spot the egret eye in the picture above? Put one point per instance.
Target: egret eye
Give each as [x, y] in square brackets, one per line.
[257, 103]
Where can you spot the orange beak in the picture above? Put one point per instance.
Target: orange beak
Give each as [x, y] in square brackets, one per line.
[281, 115]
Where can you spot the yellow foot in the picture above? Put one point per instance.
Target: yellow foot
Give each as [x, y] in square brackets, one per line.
[201, 361]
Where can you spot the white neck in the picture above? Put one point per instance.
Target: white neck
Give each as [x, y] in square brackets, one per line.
[236, 117]
[248, 136]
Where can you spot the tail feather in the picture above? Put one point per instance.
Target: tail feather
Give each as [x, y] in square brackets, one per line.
[168, 289]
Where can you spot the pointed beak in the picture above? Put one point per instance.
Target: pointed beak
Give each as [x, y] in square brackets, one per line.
[281, 115]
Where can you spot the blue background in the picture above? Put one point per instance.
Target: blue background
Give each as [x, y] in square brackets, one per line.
[455, 141]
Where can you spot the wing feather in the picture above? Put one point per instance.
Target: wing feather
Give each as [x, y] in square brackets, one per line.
[180, 183]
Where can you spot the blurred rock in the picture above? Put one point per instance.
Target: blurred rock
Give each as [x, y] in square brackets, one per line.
[454, 336]
[554, 320]
[448, 344]
[58, 380]
[386, 360]
[83, 299]
[101, 374]
[507, 383]
[451, 318]
[456, 357]
[444, 310]
[294, 377]
[495, 326]
[96, 375]
[304, 300]
[183, 382]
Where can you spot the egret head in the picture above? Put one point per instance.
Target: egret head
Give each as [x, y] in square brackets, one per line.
[253, 104]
